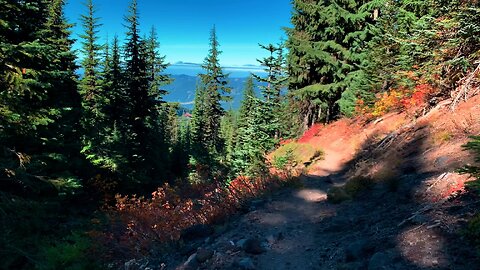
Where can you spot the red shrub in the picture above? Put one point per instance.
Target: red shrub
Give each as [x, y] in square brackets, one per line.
[137, 222]
[396, 99]
[312, 132]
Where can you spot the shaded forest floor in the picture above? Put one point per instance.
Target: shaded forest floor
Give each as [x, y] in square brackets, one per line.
[405, 206]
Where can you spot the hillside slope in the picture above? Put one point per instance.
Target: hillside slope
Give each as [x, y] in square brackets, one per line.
[405, 206]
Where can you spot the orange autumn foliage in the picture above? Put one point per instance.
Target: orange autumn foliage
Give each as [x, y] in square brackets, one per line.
[142, 222]
[396, 99]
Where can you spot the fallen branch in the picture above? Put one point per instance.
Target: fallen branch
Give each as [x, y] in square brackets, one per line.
[464, 90]
[441, 177]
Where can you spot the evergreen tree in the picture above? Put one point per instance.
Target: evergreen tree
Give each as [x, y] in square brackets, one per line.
[228, 130]
[246, 149]
[270, 105]
[247, 105]
[62, 94]
[157, 79]
[94, 98]
[142, 132]
[207, 113]
[325, 52]
[113, 86]
[156, 66]
[179, 130]
[199, 148]
[39, 103]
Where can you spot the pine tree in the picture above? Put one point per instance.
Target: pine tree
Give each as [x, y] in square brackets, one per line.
[94, 98]
[247, 105]
[200, 152]
[246, 149]
[207, 113]
[325, 52]
[39, 103]
[142, 130]
[65, 132]
[113, 86]
[179, 130]
[156, 66]
[157, 79]
[228, 130]
[270, 105]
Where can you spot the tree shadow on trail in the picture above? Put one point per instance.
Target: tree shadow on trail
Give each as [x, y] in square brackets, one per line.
[394, 224]
[391, 225]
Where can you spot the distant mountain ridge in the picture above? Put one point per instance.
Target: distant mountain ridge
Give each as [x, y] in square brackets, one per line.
[182, 90]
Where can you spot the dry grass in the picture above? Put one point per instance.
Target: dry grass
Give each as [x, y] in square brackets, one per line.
[301, 153]
[442, 137]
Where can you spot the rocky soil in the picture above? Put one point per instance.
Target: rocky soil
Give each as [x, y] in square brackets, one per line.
[416, 223]
[300, 229]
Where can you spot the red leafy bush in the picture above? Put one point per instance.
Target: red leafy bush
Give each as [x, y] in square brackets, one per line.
[137, 223]
[310, 133]
[396, 99]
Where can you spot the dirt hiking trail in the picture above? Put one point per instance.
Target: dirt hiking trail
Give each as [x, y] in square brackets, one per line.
[413, 222]
[300, 229]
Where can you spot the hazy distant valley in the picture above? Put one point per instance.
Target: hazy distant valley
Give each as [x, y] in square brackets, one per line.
[182, 90]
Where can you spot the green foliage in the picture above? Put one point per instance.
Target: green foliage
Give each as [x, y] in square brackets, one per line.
[281, 162]
[208, 146]
[358, 184]
[94, 98]
[301, 153]
[337, 195]
[267, 114]
[68, 253]
[472, 232]
[327, 48]
[474, 171]
[258, 125]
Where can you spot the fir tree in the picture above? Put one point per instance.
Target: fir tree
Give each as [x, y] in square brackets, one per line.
[246, 151]
[94, 99]
[142, 130]
[270, 105]
[39, 103]
[208, 111]
[229, 127]
[325, 48]
[156, 66]
[113, 85]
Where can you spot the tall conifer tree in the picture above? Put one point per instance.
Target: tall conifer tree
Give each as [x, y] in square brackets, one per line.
[208, 111]
[93, 94]
[326, 47]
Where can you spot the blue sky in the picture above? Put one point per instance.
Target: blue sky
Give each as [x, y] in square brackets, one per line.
[183, 26]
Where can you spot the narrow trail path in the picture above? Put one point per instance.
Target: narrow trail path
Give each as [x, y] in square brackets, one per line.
[300, 229]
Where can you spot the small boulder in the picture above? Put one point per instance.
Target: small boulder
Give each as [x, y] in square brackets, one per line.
[337, 195]
[273, 238]
[246, 264]
[136, 265]
[198, 231]
[191, 263]
[204, 254]
[255, 246]
[380, 261]
[358, 250]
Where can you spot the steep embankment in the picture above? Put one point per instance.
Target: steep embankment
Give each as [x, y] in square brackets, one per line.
[404, 208]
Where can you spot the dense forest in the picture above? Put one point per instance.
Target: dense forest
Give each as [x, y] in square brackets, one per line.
[80, 155]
